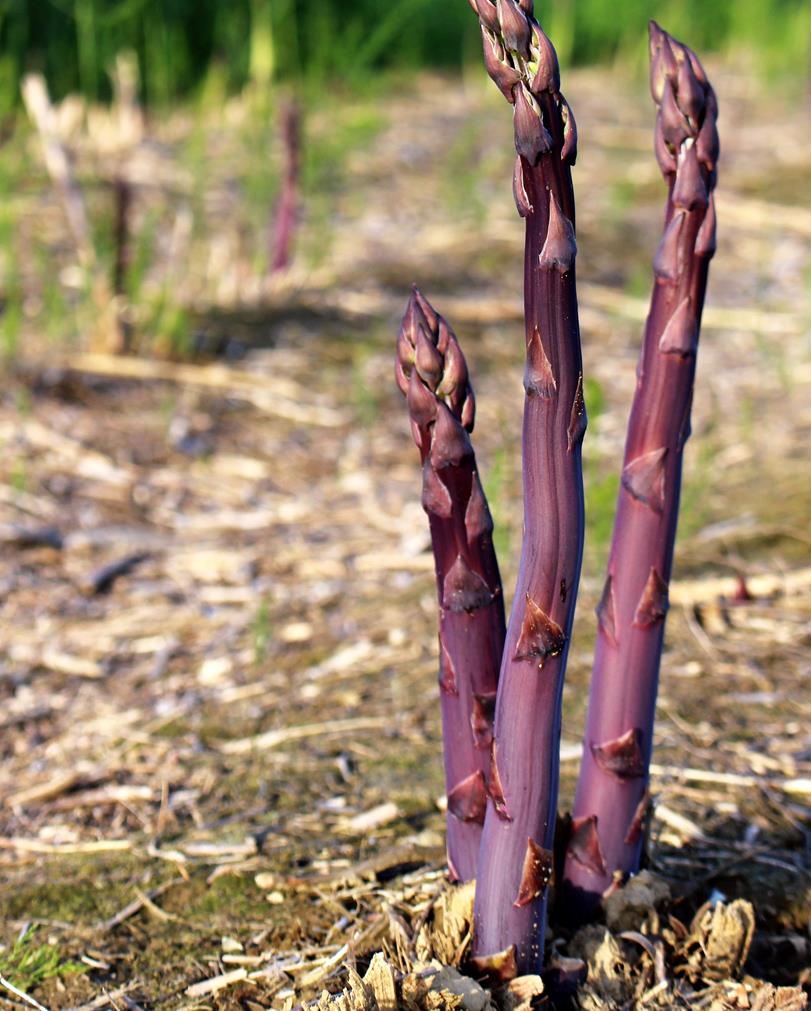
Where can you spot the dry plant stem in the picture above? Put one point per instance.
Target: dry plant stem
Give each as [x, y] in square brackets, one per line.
[58, 166]
[611, 801]
[285, 224]
[515, 863]
[43, 115]
[432, 373]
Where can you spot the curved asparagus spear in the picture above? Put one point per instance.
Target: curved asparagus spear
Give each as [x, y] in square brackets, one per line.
[432, 373]
[516, 861]
[611, 801]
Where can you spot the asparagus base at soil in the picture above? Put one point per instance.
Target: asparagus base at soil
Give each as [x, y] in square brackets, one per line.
[515, 864]
[612, 793]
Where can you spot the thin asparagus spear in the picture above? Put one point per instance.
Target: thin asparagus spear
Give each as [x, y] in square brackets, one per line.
[286, 207]
[611, 801]
[431, 372]
[515, 861]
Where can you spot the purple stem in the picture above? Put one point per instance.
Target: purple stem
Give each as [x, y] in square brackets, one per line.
[612, 792]
[515, 863]
[286, 208]
[432, 373]
[122, 193]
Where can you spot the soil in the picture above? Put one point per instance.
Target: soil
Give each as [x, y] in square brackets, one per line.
[219, 728]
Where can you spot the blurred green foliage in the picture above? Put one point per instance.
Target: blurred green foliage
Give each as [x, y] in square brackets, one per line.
[27, 964]
[180, 43]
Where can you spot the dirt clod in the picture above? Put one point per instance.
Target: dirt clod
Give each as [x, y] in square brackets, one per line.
[633, 905]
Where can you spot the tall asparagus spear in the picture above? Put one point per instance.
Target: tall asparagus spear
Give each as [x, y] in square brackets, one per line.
[516, 861]
[285, 222]
[431, 372]
[611, 801]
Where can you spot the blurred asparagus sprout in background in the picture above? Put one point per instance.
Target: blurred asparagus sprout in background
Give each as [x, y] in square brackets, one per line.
[133, 102]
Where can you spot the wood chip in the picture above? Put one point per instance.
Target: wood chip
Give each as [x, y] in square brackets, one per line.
[374, 818]
[67, 663]
[269, 394]
[37, 846]
[275, 738]
[43, 791]
[216, 983]
[699, 591]
[800, 786]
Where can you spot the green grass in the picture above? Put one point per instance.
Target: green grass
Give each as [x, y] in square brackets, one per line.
[325, 152]
[494, 480]
[11, 318]
[183, 44]
[594, 396]
[80, 892]
[11, 289]
[699, 483]
[365, 395]
[600, 480]
[461, 174]
[601, 490]
[36, 300]
[27, 964]
[261, 631]
[18, 475]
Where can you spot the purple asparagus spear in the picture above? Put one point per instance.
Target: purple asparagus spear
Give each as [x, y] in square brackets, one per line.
[515, 861]
[611, 801]
[286, 207]
[431, 372]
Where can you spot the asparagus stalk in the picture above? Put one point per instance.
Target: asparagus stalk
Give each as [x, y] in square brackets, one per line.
[286, 208]
[515, 861]
[431, 372]
[611, 800]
